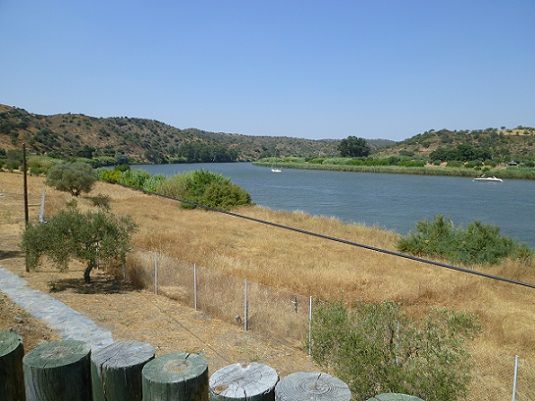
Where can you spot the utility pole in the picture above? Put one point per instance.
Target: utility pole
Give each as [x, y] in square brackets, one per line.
[26, 214]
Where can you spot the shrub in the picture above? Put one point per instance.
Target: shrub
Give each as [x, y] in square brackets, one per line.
[377, 348]
[212, 190]
[478, 243]
[101, 200]
[71, 177]
[133, 178]
[111, 176]
[152, 183]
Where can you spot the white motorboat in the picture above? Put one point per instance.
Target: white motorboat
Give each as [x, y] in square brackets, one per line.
[276, 170]
[488, 179]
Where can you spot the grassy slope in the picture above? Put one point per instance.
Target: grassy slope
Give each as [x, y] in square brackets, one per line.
[312, 266]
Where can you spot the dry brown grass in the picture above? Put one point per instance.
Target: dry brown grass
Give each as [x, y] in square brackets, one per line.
[307, 265]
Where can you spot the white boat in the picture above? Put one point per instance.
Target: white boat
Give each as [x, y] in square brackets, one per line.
[276, 170]
[488, 179]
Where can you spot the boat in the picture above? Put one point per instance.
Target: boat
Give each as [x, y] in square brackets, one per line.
[488, 179]
[276, 170]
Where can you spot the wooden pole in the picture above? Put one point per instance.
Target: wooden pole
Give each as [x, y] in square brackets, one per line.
[116, 370]
[251, 382]
[179, 376]
[25, 185]
[58, 371]
[310, 325]
[394, 397]
[11, 376]
[306, 386]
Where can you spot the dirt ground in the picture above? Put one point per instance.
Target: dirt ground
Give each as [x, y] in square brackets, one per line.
[129, 313]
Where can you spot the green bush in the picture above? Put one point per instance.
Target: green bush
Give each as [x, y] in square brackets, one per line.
[71, 177]
[152, 183]
[111, 176]
[377, 348]
[213, 190]
[101, 201]
[478, 243]
[133, 178]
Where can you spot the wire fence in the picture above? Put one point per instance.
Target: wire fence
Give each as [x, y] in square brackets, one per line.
[277, 313]
[285, 316]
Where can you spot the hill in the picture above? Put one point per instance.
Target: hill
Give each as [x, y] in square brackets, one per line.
[144, 140]
[491, 143]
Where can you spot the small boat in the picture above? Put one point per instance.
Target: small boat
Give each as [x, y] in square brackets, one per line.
[276, 170]
[488, 179]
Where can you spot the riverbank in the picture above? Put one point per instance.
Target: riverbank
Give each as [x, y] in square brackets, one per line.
[286, 260]
[509, 173]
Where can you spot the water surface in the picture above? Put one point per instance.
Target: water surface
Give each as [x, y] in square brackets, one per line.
[393, 201]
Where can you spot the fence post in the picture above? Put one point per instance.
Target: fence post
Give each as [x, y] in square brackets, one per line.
[245, 306]
[195, 286]
[155, 261]
[42, 207]
[310, 325]
[515, 376]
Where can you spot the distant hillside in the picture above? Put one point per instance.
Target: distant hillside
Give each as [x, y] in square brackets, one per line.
[498, 144]
[143, 140]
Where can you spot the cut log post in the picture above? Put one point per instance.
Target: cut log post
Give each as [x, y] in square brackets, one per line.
[251, 382]
[11, 376]
[58, 371]
[116, 370]
[306, 386]
[394, 397]
[179, 376]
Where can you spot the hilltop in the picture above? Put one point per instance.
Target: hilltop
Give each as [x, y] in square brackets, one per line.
[145, 140]
[498, 143]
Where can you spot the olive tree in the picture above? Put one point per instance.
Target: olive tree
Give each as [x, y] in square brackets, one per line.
[74, 177]
[92, 237]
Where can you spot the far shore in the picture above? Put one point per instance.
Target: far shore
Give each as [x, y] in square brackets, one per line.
[510, 173]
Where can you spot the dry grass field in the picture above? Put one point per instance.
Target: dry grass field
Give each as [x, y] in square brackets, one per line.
[311, 266]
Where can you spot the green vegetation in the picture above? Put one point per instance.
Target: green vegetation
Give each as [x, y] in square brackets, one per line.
[377, 348]
[476, 244]
[93, 237]
[71, 177]
[398, 165]
[354, 147]
[197, 187]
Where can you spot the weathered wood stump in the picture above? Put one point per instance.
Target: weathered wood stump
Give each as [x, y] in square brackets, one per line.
[58, 371]
[179, 376]
[394, 397]
[116, 370]
[11, 376]
[306, 386]
[251, 382]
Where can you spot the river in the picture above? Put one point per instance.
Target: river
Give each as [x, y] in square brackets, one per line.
[392, 201]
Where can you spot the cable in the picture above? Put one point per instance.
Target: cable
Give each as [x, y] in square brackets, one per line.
[348, 242]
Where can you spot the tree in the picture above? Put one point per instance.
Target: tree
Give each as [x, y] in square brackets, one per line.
[92, 237]
[74, 177]
[354, 147]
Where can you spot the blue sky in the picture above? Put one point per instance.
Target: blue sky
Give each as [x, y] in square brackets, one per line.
[316, 69]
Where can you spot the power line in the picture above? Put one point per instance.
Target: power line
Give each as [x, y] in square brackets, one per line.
[348, 242]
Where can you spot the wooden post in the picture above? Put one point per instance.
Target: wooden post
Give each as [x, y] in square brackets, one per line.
[306, 386]
[26, 213]
[58, 371]
[11, 376]
[179, 376]
[116, 370]
[394, 397]
[310, 325]
[251, 382]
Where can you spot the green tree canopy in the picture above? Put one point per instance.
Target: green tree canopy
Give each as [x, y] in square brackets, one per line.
[354, 147]
[74, 177]
[71, 234]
